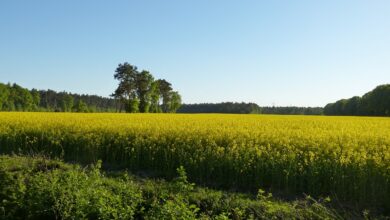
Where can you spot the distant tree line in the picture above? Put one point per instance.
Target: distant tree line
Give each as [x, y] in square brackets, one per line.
[373, 103]
[225, 107]
[292, 110]
[138, 91]
[247, 108]
[16, 98]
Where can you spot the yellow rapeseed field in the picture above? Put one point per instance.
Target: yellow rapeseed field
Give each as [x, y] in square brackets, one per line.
[344, 157]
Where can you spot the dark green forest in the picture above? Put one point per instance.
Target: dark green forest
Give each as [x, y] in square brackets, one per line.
[292, 110]
[14, 97]
[373, 103]
[247, 108]
[225, 107]
[139, 92]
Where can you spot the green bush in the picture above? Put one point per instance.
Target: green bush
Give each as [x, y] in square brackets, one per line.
[37, 188]
[69, 193]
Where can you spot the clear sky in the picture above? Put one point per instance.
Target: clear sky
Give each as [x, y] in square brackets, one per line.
[304, 53]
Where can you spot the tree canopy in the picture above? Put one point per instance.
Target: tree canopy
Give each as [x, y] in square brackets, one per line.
[373, 103]
[138, 91]
[14, 97]
[224, 107]
[292, 110]
[247, 108]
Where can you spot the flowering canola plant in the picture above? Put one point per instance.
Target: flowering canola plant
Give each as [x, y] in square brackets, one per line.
[346, 157]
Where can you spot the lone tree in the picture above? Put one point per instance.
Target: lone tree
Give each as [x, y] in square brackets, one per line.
[175, 101]
[126, 91]
[139, 92]
[144, 82]
[165, 92]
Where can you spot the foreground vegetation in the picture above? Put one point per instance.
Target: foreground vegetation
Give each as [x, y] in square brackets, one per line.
[346, 158]
[37, 188]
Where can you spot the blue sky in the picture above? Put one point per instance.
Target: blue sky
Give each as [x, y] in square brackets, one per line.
[304, 53]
